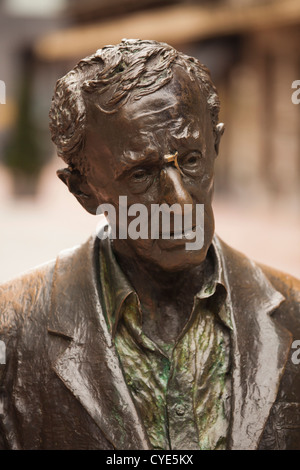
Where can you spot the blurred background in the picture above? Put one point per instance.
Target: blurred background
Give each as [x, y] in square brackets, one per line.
[252, 50]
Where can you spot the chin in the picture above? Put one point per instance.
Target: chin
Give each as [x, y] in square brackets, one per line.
[173, 260]
[182, 261]
[174, 256]
[171, 255]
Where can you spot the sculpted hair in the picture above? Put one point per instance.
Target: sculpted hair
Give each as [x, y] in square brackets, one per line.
[133, 68]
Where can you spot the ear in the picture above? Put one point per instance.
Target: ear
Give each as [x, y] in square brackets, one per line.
[79, 187]
[220, 128]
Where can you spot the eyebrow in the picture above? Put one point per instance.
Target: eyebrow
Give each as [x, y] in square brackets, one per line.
[185, 143]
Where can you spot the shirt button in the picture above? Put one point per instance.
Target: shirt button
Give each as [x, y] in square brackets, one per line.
[180, 410]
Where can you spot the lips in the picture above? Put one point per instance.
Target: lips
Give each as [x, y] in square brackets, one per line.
[178, 239]
[178, 235]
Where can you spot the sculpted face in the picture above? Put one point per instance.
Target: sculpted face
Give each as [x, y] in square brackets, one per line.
[126, 155]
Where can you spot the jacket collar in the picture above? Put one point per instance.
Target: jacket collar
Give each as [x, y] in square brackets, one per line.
[116, 286]
[89, 366]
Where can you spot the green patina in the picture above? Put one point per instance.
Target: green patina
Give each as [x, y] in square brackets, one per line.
[179, 391]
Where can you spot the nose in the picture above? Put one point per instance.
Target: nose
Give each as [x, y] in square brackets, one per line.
[173, 190]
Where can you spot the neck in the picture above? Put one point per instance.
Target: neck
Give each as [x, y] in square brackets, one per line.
[166, 298]
[151, 282]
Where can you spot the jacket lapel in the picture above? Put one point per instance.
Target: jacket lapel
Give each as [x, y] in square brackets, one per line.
[88, 365]
[260, 346]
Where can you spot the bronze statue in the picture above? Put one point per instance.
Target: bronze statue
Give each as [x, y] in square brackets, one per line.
[140, 342]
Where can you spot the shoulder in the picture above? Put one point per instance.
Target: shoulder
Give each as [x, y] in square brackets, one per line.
[27, 299]
[24, 306]
[240, 264]
[20, 297]
[259, 282]
[288, 313]
[288, 285]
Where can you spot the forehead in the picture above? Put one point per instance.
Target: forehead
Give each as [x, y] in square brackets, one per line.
[176, 111]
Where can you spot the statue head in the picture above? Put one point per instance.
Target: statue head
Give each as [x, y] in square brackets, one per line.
[140, 120]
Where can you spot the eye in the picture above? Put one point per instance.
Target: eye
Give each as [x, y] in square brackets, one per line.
[139, 175]
[191, 161]
[140, 179]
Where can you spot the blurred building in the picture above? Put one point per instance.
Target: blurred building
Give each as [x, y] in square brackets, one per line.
[251, 47]
[24, 133]
[252, 50]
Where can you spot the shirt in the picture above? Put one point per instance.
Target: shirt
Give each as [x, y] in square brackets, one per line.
[182, 391]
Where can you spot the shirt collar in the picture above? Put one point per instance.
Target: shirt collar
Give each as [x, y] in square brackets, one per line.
[116, 287]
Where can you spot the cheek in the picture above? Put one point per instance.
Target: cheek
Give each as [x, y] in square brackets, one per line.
[207, 184]
[201, 189]
[105, 188]
[101, 177]
[204, 184]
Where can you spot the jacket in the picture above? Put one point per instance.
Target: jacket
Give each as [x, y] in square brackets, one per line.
[62, 385]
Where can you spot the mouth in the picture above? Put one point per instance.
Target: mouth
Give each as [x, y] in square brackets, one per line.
[176, 235]
[177, 239]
